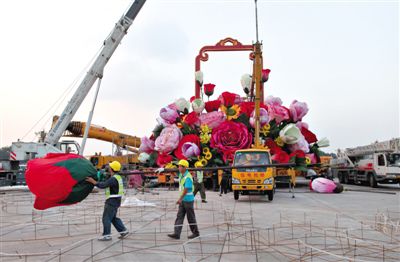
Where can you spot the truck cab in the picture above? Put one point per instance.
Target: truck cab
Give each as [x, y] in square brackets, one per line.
[248, 179]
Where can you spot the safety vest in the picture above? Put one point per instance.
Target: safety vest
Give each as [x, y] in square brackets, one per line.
[182, 180]
[120, 188]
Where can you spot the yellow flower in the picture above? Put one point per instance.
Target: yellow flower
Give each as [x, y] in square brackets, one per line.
[265, 129]
[208, 156]
[231, 112]
[198, 164]
[308, 160]
[204, 138]
[279, 141]
[206, 150]
[204, 162]
[204, 129]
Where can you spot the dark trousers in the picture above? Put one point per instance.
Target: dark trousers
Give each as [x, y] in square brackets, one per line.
[200, 187]
[186, 208]
[224, 186]
[110, 216]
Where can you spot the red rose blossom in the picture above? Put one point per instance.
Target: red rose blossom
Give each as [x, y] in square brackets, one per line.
[213, 105]
[163, 159]
[191, 119]
[230, 136]
[308, 135]
[209, 89]
[281, 157]
[228, 99]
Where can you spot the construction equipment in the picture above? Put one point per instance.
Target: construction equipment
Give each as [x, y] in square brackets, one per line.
[22, 151]
[375, 163]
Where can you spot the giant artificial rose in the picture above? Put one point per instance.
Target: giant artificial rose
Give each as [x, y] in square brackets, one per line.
[229, 137]
[163, 159]
[278, 113]
[209, 89]
[228, 99]
[190, 149]
[169, 114]
[187, 138]
[212, 105]
[146, 145]
[264, 118]
[281, 157]
[308, 135]
[212, 119]
[272, 100]
[265, 75]
[191, 119]
[272, 146]
[247, 108]
[298, 110]
[168, 139]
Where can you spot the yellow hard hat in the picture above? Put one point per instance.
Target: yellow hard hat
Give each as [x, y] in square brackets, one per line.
[115, 166]
[183, 162]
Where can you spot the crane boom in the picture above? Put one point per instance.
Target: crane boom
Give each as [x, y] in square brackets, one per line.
[95, 72]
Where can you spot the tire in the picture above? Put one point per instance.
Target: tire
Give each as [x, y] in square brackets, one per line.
[270, 195]
[346, 179]
[372, 181]
[236, 195]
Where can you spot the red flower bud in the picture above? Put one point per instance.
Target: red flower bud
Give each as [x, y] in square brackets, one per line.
[209, 89]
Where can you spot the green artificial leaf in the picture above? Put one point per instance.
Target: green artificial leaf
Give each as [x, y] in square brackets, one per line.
[157, 131]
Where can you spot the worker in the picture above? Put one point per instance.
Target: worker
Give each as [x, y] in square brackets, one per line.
[199, 183]
[185, 202]
[224, 183]
[324, 185]
[114, 192]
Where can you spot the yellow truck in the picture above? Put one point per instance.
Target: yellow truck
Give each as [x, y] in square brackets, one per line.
[248, 179]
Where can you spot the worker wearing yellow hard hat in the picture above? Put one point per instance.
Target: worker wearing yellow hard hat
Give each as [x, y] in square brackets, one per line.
[199, 183]
[114, 189]
[185, 202]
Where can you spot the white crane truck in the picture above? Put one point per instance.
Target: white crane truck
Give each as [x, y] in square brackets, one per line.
[376, 163]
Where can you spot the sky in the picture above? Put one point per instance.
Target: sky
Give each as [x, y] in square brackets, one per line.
[340, 57]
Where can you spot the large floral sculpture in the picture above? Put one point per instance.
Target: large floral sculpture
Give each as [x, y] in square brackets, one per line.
[208, 133]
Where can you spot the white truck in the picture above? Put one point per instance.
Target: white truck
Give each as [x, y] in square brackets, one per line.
[24, 151]
[376, 163]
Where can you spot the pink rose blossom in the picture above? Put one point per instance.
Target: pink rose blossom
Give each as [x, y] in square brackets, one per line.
[168, 139]
[212, 119]
[278, 113]
[169, 114]
[229, 137]
[298, 110]
[190, 149]
[146, 145]
[271, 100]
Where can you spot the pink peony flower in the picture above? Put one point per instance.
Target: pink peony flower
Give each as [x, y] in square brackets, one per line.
[212, 119]
[191, 138]
[229, 137]
[168, 139]
[169, 115]
[190, 149]
[278, 113]
[271, 100]
[298, 110]
[264, 118]
[146, 145]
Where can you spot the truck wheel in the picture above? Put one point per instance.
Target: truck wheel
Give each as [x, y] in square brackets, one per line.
[372, 181]
[236, 195]
[270, 195]
[346, 178]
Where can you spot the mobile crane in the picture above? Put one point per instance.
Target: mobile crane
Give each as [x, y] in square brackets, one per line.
[375, 163]
[24, 151]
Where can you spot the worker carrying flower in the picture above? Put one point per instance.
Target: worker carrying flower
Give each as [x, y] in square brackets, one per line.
[114, 192]
[185, 202]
